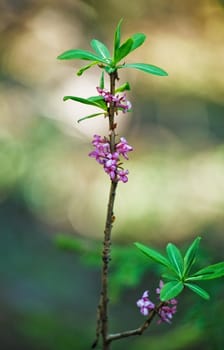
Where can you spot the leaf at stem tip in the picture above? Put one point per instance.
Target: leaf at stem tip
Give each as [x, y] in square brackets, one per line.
[198, 290]
[153, 254]
[123, 50]
[101, 50]
[82, 55]
[117, 37]
[190, 255]
[175, 258]
[208, 273]
[138, 40]
[147, 68]
[171, 276]
[170, 290]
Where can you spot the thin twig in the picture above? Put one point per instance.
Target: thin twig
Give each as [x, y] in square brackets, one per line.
[139, 330]
[105, 268]
[98, 323]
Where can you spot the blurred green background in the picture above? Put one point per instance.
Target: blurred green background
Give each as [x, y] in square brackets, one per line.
[49, 186]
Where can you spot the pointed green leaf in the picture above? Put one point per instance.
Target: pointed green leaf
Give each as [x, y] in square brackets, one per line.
[123, 50]
[83, 69]
[208, 273]
[123, 87]
[138, 40]
[153, 254]
[148, 68]
[101, 50]
[102, 80]
[90, 116]
[190, 255]
[88, 101]
[198, 290]
[175, 258]
[99, 100]
[117, 37]
[170, 290]
[80, 54]
[96, 98]
[170, 276]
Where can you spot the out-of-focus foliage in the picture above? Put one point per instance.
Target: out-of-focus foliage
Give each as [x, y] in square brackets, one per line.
[127, 267]
[48, 296]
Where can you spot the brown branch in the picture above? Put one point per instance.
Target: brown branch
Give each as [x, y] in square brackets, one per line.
[98, 323]
[106, 259]
[139, 330]
[102, 310]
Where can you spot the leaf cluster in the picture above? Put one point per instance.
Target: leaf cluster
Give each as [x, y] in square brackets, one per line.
[178, 269]
[110, 63]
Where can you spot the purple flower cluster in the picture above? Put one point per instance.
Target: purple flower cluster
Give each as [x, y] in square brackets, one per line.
[119, 101]
[165, 312]
[145, 304]
[111, 160]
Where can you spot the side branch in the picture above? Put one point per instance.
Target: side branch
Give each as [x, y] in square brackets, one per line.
[139, 330]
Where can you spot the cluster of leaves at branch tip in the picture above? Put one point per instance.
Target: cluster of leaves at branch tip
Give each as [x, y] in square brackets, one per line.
[178, 269]
[109, 63]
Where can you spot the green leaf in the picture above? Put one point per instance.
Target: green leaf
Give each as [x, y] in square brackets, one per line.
[175, 258]
[170, 290]
[208, 273]
[90, 116]
[117, 38]
[170, 276]
[153, 254]
[123, 87]
[83, 69]
[80, 54]
[123, 50]
[148, 68]
[99, 100]
[101, 50]
[190, 255]
[93, 101]
[138, 40]
[198, 290]
[102, 80]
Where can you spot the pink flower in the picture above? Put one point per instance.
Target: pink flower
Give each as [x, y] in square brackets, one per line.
[165, 312]
[123, 148]
[122, 175]
[161, 284]
[145, 304]
[110, 160]
[119, 101]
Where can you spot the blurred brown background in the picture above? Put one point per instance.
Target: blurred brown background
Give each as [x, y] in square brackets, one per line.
[48, 185]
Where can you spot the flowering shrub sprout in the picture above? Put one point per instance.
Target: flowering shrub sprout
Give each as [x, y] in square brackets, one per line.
[110, 151]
